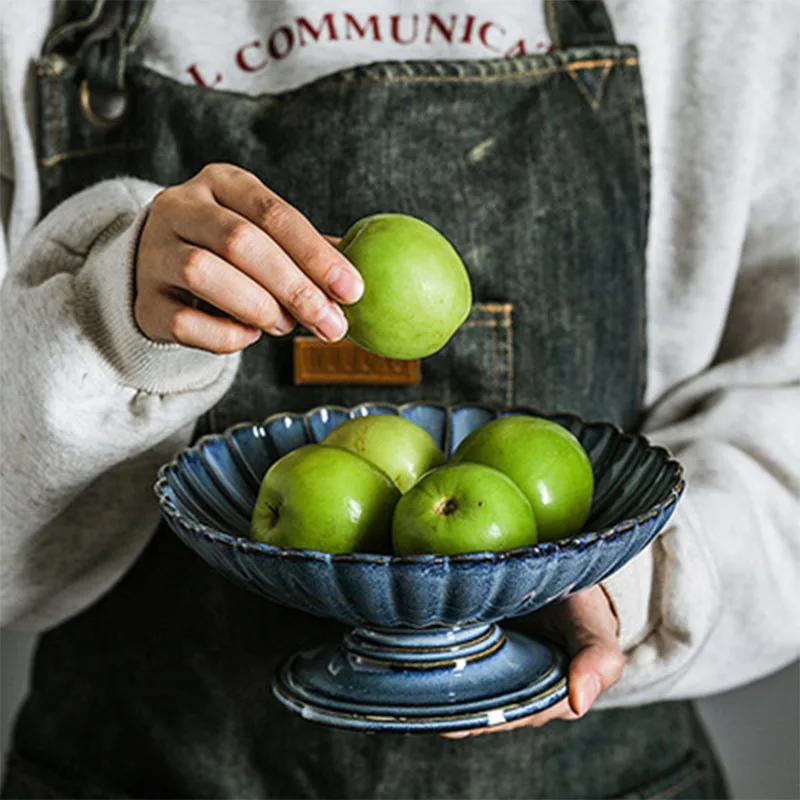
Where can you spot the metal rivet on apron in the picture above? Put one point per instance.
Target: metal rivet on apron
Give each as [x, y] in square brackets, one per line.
[102, 109]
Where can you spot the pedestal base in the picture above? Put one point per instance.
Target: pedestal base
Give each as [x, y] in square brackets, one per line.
[423, 681]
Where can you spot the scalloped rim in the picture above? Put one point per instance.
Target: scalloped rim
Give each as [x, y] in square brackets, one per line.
[533, 552]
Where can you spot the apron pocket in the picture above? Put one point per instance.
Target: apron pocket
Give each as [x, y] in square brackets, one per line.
[477, 364]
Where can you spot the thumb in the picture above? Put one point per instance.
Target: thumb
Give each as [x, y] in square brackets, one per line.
[592, 639]
[596, 667]
[586, 624]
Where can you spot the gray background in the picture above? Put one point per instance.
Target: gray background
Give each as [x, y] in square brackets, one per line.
[756, 729]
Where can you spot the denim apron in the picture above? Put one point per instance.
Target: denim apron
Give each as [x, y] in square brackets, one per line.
[536, 168]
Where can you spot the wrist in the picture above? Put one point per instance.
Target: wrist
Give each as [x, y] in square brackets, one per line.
[105, 307]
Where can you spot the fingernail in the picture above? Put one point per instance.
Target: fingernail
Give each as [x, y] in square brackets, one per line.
[457, 735]
[345, 285]
[331, 323]
[284, 325]
[590, 693]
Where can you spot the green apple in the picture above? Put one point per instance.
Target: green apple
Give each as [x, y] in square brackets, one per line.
[462, 508]
[325, 498]
[416, 289]
[402, 449]
[546, 461]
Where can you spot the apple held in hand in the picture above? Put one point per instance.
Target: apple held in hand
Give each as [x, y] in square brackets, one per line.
[462, 508]
[546, 461]
[325, 498]
[416, 289]
[400, 448]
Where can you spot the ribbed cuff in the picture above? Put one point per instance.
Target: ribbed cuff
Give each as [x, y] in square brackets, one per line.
[629, 591]
[104, 296]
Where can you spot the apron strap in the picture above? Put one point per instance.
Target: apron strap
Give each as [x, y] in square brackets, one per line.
[102, 35]
[578, 23]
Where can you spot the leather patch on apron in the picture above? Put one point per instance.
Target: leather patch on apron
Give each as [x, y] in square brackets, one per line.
[317, 362]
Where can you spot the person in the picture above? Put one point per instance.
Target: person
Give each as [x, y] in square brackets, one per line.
[171, 171]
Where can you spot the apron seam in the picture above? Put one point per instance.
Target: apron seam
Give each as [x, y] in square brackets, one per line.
[642, 167]
[501, 391]
[507, 321]
[57, 158]
[552, 24]
[698, 772]
[690, 780]
[495, 361]
[629, 61]
[594, 102]
[43, 68]
[480, 323]
[55, 112]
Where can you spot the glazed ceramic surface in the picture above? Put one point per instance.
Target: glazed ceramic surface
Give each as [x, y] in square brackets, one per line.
[207, 494]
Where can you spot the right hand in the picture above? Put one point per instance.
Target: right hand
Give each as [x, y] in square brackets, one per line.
[225, 239]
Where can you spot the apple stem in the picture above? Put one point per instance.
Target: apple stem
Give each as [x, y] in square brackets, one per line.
[273, 520]
[446, 506]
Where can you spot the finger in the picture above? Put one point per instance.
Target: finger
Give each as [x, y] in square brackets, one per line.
[591, 637]
[586, 625]
[174, 321]
[560, 710]
[243, 192]
[239, 242]
[595, 669]
[207, 277]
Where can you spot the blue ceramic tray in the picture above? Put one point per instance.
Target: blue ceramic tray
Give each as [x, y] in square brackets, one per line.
[425, 652]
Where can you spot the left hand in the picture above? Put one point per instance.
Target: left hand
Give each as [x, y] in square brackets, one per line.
[587, 627]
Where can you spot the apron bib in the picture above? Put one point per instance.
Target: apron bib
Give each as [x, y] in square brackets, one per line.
[536, 168]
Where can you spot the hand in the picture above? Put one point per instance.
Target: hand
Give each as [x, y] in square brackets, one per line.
[587, 627]
[225, 239]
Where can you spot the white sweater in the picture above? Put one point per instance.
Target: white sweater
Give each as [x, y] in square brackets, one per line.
[91, 408]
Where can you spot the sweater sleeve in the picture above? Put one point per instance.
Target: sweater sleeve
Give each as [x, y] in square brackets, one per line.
[714, 603]
[90, 406]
